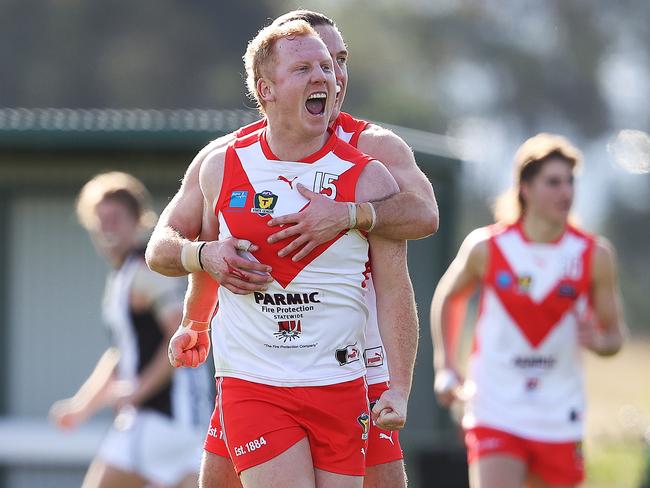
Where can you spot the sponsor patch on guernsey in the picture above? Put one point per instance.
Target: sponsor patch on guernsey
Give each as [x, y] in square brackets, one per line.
[264, 202]
[238, 199]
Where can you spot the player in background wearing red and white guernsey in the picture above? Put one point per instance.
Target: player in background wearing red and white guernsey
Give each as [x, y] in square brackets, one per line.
[411, 213]
[547, 290]
[305, 404]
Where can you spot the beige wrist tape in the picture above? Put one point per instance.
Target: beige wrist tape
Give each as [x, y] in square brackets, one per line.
[352, 215]
[191, 256]
[446, 380]
[373, 216]
[195, 325]
[365, 216]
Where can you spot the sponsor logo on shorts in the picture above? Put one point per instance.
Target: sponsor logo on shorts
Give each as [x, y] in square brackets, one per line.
[489, 444]
[250, 446]
[364, 422]
[264, 202]
[348, 354]
[374, 357]
[238, 199]
[388, 437]
[216, 433]
[288, 330]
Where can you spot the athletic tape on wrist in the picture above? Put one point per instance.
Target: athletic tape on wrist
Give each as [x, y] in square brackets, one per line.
[352, 215]
[373, 216]
[195, 325]
[191, 256]
[446, 380]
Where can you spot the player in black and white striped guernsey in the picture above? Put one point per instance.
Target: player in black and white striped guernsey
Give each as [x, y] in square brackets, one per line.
[161, 413]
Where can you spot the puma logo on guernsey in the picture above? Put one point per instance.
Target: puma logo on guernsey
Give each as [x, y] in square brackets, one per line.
[387, 437]
[289, 182]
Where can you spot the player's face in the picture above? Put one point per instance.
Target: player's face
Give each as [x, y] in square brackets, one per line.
[303, 86]
[550, 193]
[115, 229]
[336, 47]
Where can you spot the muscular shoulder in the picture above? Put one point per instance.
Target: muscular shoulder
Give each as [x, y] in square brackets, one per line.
[383, 144]
[221, 142]
[375, 183]
[211, 173]
[193, 170]
[474, 250]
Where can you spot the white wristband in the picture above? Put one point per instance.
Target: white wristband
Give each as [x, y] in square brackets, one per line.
[352, 215]
[446, 380]
[191, 256]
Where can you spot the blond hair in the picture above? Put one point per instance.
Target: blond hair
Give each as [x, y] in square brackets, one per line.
[528, 161]
[260, 53]
[115, 186]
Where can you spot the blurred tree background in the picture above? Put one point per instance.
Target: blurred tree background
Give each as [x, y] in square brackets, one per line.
[487, 73]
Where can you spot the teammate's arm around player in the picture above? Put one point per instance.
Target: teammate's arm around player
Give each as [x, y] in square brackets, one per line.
[448, 308]
[398, 324]
[180, 223]
[411, 213]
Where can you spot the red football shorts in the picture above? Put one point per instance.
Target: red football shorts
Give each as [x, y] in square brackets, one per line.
[214, 439]
[259, 422]
[383, 445]
[555, 462]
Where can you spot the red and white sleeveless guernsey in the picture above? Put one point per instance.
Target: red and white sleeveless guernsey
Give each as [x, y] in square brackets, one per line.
[307, 329]
[525, 373]
[349, 129]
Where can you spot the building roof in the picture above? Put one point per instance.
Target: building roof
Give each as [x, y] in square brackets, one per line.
[106, 129]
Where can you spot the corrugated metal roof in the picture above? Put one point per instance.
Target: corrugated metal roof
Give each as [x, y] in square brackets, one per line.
[110, 129]
[65, 128]
[122, 120]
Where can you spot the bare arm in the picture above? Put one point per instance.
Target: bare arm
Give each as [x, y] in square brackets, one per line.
[398, 325]
[412, 213]
[603, 329]
[180, 222]
[448, 308]
[91, 396]
[190, 345]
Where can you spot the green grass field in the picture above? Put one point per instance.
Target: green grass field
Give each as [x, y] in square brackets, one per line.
[618, 391]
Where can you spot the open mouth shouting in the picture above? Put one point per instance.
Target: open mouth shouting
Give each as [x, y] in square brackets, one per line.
[315, 103]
